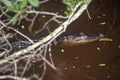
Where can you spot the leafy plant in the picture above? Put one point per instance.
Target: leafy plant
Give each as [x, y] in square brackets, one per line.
[18, 7]
[34, 3]
[71, 4]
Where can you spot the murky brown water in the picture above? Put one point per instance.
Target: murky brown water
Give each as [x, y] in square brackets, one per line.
[92, 61]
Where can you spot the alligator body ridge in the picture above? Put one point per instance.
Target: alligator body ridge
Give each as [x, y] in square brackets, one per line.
[70, 40]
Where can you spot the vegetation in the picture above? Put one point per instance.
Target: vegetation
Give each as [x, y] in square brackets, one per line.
[19, 7]
[71, 4]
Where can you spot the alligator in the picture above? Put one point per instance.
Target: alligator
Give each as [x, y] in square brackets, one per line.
[70, 40]
[81, 38]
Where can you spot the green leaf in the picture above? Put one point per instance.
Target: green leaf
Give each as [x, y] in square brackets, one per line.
[0, 7]
[12, 9]
[34, 3]
[7, 3]
[15, 18]
[17, 6]
[23, 4]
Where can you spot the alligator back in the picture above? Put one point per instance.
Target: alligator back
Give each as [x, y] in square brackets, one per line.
[18, 44]
[70, 40]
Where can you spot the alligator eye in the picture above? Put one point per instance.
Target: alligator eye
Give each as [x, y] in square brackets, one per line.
[101, 35]
[84, 36]
[81, 34]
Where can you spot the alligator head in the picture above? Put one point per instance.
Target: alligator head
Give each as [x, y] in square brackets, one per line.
[81, 38]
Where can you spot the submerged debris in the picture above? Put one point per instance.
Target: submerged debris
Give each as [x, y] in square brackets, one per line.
[108, 76]
[102, 23]
[62, 50]
[22, 26]
[101, 65]
[98, 49]
[88, 66]
[118, 46]
[105, 39]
